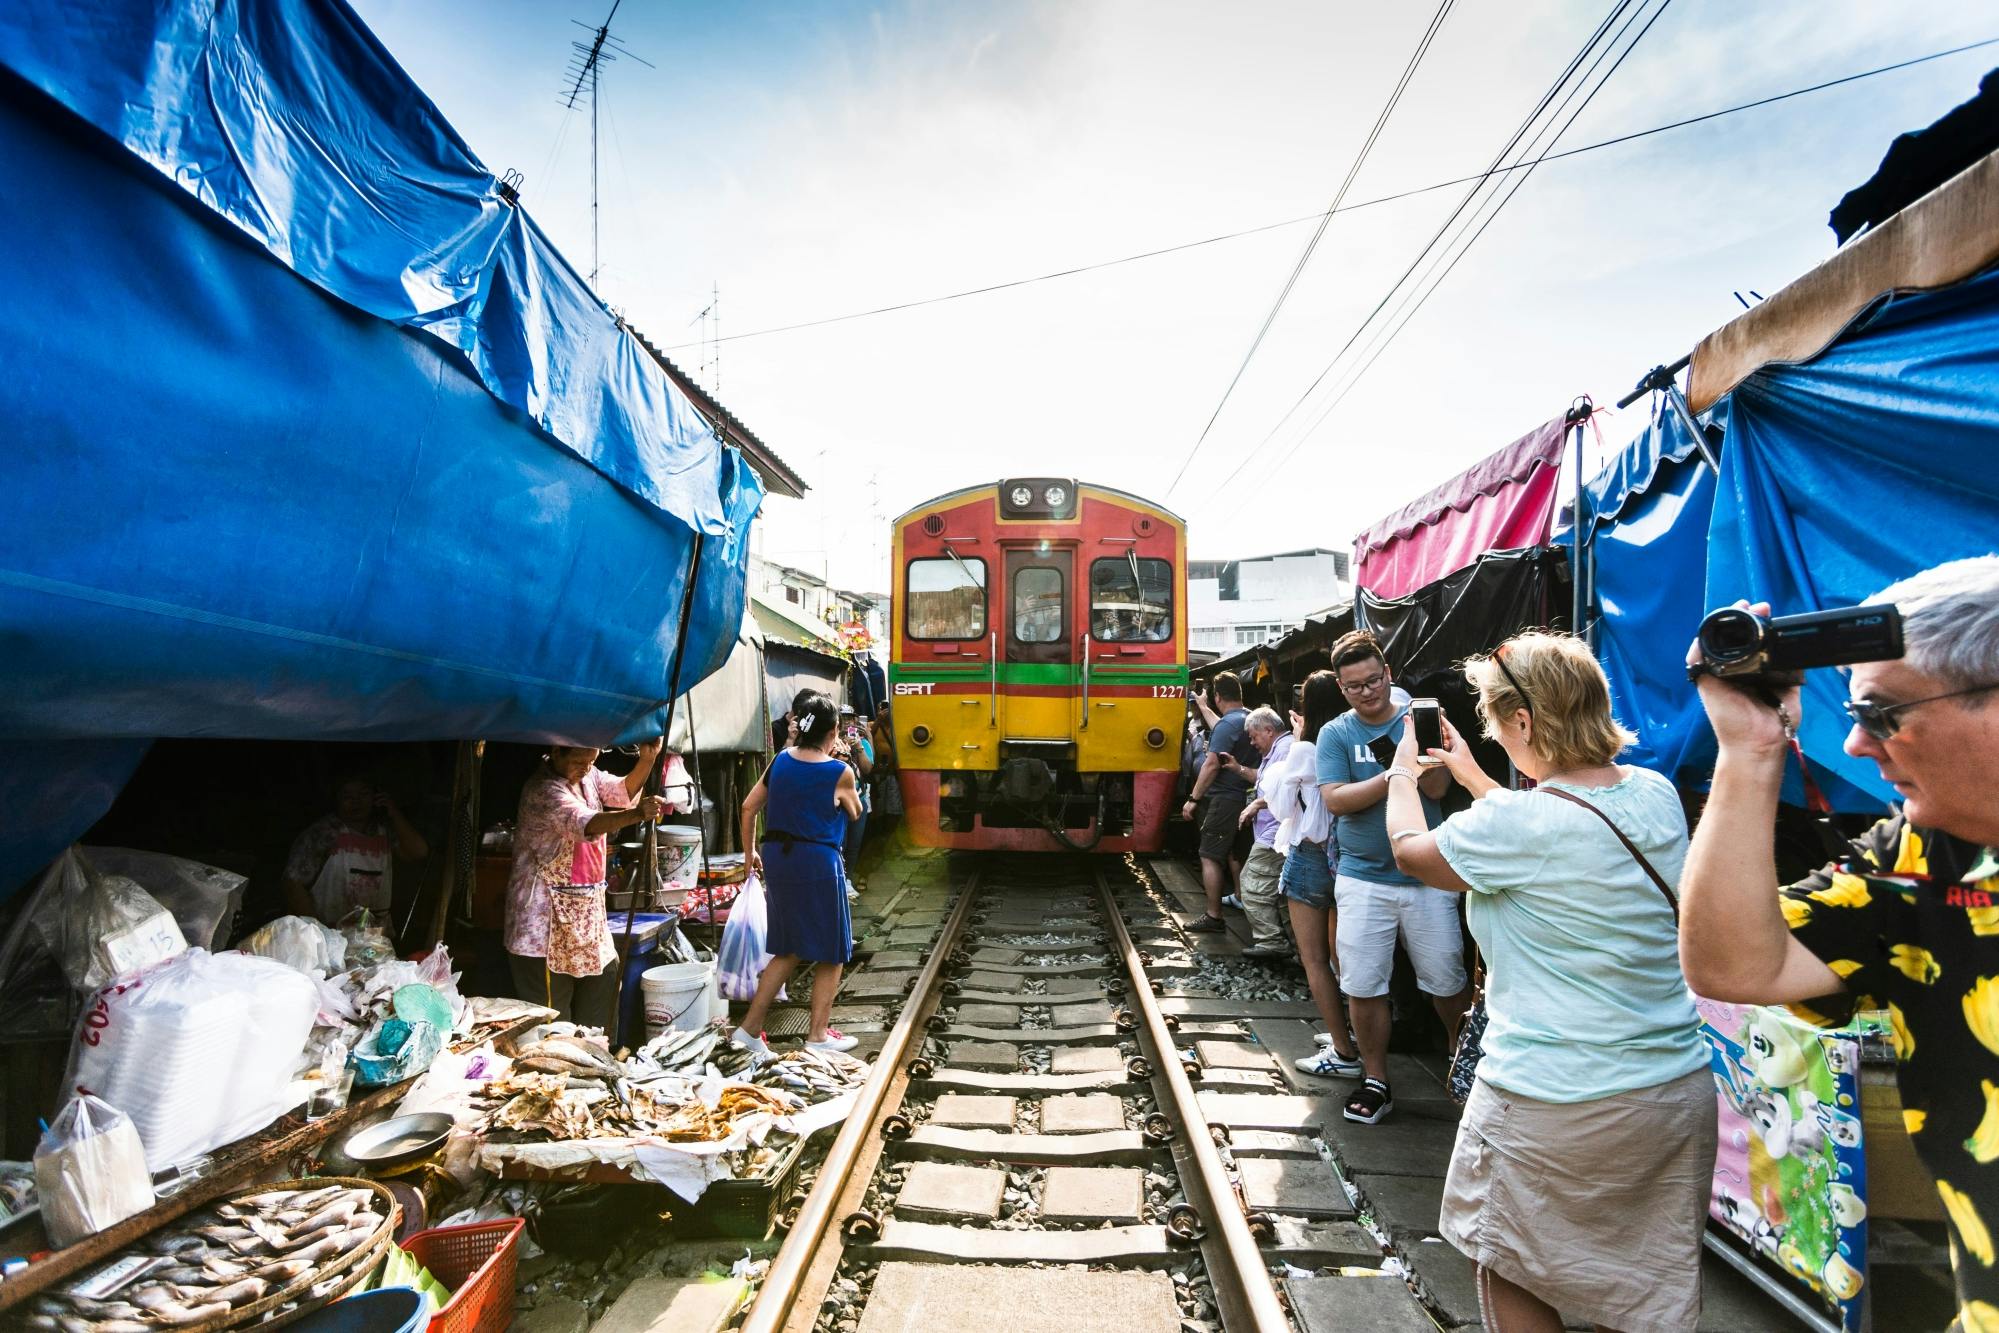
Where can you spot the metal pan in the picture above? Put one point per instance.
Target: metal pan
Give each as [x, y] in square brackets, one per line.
[404, 1138]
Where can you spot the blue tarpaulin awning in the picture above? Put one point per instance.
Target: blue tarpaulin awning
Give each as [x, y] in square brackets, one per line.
[1839, 476]
[311, 433]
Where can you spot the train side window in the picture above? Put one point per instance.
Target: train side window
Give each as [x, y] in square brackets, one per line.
[947, 598]
[1131, 600]
[1037, 605]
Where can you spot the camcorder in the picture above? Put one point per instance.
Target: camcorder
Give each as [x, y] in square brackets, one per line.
[1775, 651]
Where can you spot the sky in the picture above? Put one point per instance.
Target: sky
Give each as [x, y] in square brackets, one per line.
[805, 161]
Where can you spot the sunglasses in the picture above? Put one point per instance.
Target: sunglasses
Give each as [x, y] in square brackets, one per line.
[1881, 721]
[1499, 660]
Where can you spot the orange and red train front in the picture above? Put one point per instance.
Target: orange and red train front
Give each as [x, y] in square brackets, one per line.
[1039, 671]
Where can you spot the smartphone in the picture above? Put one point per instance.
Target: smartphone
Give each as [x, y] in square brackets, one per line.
[1427, 716]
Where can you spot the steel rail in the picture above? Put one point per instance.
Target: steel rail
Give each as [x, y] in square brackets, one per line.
[1245, 1283]
[782, 1286]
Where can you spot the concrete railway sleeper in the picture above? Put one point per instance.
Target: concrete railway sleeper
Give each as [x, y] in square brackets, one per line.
[1034, 1149]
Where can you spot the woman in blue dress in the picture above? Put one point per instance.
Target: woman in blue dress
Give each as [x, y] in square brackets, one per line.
[807, 797]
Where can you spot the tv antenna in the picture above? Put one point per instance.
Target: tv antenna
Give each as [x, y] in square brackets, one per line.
[710, 320]
[586, 64]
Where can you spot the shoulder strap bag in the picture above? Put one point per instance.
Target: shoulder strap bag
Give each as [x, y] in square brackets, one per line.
[1463, 1070]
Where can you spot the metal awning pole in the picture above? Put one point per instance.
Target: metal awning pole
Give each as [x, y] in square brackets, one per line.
[1662, 379]
[649, 859]
[1578, 416]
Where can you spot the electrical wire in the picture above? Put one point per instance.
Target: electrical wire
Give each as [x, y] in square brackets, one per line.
[1325, 219]
[1525, 127]
[1449, 257]
[1396, 197]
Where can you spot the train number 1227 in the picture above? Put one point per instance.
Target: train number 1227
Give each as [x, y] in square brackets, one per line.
[1169, 691]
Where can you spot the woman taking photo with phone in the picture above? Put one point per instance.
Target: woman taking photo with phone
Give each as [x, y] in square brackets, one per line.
[1589, 1135]
[807, 799]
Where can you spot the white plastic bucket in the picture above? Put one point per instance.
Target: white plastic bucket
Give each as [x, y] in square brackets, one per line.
[677, 996]
[679, 856]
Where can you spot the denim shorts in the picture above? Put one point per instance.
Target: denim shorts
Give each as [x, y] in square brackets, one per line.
[1308, 874]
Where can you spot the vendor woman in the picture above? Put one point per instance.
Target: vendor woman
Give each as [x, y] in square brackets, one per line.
[346, 860]
[557, 934]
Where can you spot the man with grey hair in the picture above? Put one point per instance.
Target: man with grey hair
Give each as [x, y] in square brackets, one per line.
[1264, 864]
[1908, 918]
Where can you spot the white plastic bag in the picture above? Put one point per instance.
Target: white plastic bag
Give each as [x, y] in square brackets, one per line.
[90, 1171]
[199, 1051]
[301, 942]
[100, 926]
[740, 958]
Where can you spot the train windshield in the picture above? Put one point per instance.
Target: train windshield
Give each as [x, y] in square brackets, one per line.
[947, 598]
[1131, 600]
[1037, 605]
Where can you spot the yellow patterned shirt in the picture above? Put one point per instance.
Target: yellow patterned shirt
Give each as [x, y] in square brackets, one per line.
[1910, 919]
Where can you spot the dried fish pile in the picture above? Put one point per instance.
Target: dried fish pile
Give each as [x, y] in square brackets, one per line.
[219, 1261]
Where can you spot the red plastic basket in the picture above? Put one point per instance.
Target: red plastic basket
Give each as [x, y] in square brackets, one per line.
[477, 1263]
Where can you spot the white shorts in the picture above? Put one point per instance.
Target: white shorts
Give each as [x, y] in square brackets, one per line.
[1372, 915]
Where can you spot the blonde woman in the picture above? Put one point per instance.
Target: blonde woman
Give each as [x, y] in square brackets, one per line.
[1589, 1136]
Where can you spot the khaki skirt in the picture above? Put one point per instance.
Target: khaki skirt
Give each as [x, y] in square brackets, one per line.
[1596, 1207]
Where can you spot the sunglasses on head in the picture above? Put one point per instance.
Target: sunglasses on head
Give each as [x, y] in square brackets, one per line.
[1499, 660]
[1882, 721]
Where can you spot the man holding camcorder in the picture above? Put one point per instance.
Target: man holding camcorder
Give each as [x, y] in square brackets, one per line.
[1907, 918]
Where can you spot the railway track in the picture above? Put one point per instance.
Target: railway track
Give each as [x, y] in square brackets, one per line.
[1033, 1147]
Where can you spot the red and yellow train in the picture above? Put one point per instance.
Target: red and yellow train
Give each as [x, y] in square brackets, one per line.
[1038, 673]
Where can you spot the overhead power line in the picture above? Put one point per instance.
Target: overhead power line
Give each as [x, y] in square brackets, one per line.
[1413, 297]
[1356, 206]
[1565, 80]
[1298, 269]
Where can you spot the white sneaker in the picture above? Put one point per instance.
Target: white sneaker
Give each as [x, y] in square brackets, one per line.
[1329, 1063]
[747, 1041]
[1230, 900]
[836, 1040]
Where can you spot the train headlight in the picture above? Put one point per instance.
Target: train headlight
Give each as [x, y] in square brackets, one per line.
[1022, 497]
[919, 735]
[1156, 738]
[1055, 496]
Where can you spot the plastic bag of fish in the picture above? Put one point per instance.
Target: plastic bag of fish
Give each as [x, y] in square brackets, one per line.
[222, 1259]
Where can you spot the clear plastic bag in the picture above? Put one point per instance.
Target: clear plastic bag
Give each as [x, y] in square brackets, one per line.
[100, 927]
[90, 1171]
[198, 1052]
[740, 958]
[368, 941]
[203, 898]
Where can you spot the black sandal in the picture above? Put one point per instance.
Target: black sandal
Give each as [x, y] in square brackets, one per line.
[1371, 1103]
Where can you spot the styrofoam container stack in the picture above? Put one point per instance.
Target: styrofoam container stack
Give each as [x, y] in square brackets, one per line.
[198, 1051]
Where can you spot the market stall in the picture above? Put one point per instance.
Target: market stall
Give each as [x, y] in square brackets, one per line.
[1853, 417]
[331, 446]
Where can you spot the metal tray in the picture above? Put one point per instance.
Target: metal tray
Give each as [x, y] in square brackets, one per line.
[403, 1138]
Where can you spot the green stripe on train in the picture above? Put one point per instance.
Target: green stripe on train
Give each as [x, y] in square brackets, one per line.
[1042, 673]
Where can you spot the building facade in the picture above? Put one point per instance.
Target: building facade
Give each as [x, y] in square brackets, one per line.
[1237, 604]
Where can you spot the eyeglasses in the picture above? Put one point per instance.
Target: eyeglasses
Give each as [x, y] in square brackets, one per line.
[1880, 720]
[1499, 660]
[1367, 686]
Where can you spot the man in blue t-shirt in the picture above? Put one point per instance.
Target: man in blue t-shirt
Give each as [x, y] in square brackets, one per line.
[1376, 903]
[1224, 779]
